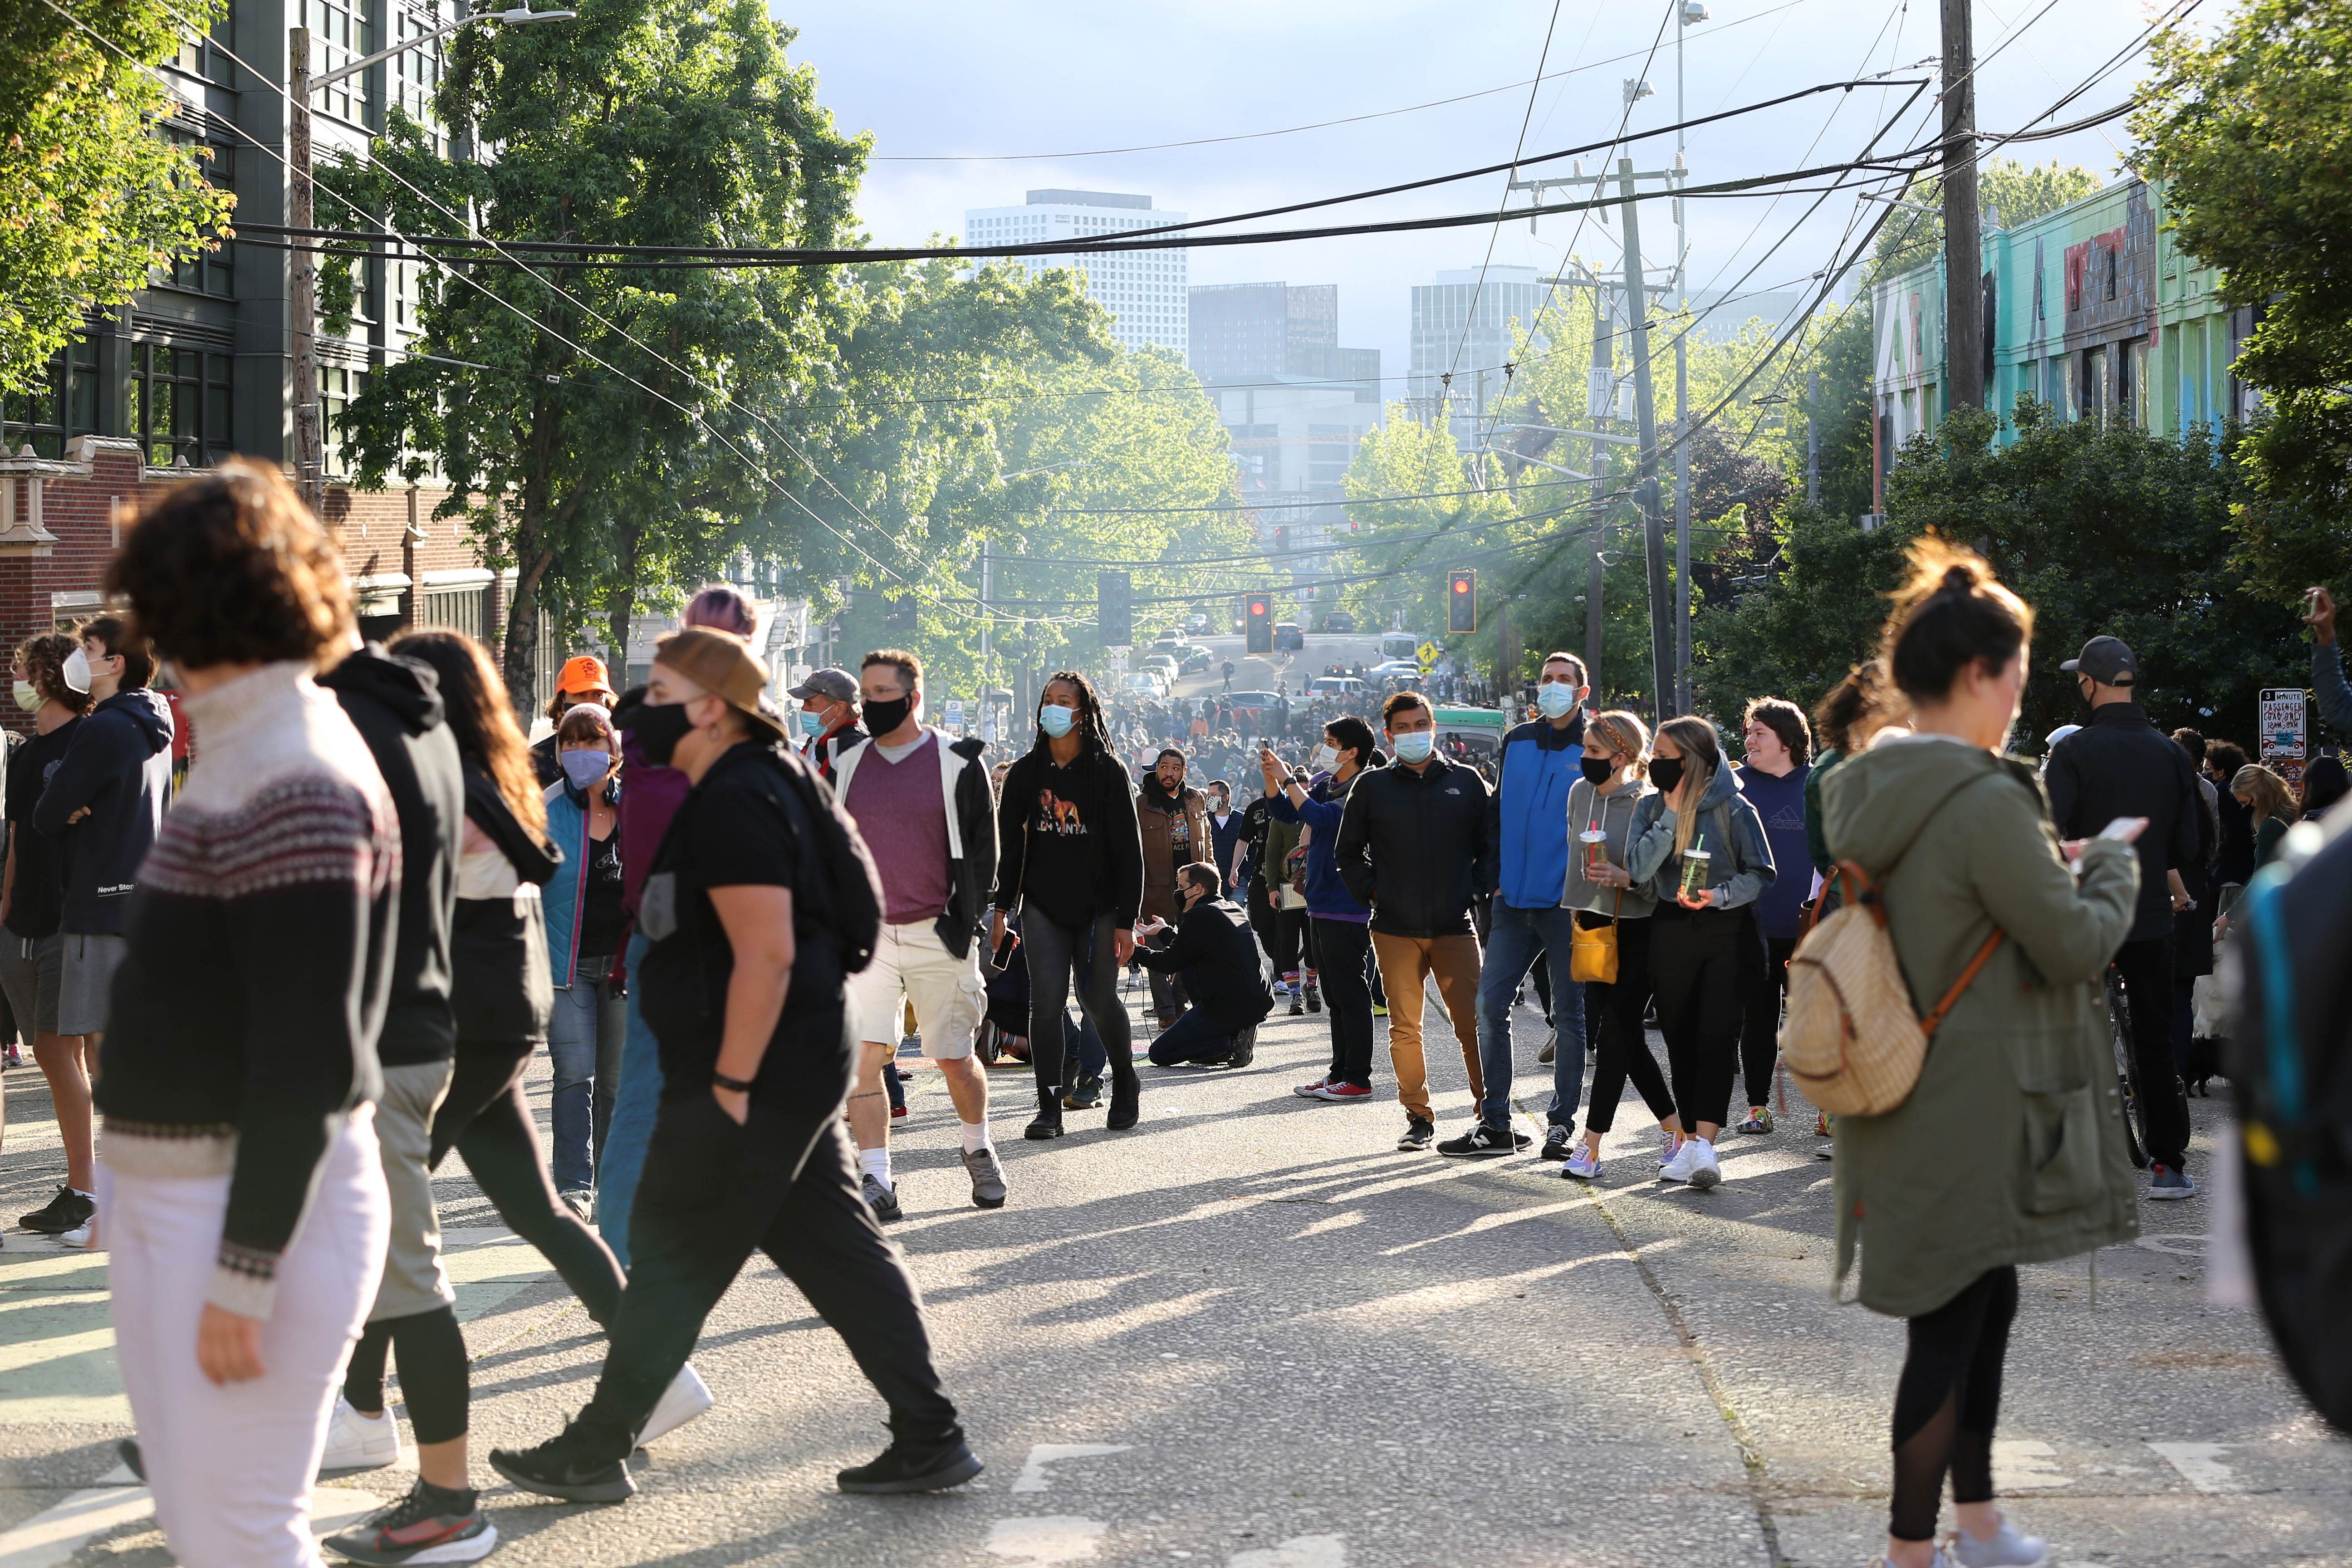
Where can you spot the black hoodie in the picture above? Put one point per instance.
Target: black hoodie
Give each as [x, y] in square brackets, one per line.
[395, 705]
[119, 766]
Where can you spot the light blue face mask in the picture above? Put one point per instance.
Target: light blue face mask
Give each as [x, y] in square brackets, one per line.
[1556, 699]
[811, 723]
[1056, 719]
[1414, 747]
[585, 769]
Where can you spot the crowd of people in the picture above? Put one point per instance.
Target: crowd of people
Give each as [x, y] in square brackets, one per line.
[371, 904]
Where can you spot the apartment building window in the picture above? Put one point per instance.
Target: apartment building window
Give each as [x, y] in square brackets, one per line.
[62, 406]
[338, 385]
[210, 272]
[341, 32]
[180, 403]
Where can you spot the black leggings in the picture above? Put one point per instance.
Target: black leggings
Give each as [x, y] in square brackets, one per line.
[1052, 951]
[1695, 968]
[432, 1372]
[1763, 984]
[1947, 1401]
[485, 1118]
[1612, 1019]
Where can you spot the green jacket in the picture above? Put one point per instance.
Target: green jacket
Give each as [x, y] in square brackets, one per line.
[2012, 1148]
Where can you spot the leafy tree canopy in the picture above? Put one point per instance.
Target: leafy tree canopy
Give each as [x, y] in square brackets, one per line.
[2015, 193]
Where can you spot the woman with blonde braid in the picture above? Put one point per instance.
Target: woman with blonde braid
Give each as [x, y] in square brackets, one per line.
[1699, 849]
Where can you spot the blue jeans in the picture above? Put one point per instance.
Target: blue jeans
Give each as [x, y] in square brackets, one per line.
[1194, 1037]
[584, 1043]
[1513, 941]
[635, 1104]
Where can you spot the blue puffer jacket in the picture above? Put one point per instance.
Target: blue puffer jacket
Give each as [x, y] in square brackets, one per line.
[1327, 802]
[567, 829]
[1541, 764]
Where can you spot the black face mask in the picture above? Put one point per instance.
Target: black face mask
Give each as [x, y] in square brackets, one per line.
[1666, 772]
[1596, 772]
[886, 714]
[659, 727]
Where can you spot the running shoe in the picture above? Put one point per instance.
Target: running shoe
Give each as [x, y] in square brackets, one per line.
[1314, 1000]
[1379, 1009]
[1678, 1169]
[1557, 1141]
[1086, 1094]
[1418, 1135]
[580, 1202]
[69, 1210]
[897, 1113]
[429, 1525]
[880, 1198]
[2168, 1185]
[1245, 1049]
[1760, 1122]
[1584, 1165]
[357, 1442]
[1481, 1142]
[1340, 1092]
[687, 1398]
[564, 1467]
[1311, 1090]
[904, 1468]
[1670, 1148]
[2005, 1548]
[1704, 1173]
[987, 1177]
[16, 1054]
[1297, 1007]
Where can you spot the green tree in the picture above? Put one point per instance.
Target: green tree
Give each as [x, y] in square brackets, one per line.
[2012, 192]
[2248, 129]
[93, 193]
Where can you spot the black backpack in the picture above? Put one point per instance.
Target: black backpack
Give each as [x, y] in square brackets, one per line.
[850, 915]
[2290, 1061]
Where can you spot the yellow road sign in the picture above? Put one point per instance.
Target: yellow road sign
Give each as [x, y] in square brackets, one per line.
[1427, 653]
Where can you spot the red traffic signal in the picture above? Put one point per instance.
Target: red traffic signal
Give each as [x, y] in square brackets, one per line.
[1260, 624]
[1462, 602]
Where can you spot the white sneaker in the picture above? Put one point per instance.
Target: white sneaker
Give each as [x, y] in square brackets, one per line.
[1703, 1172]
[1678, 1169]
[356, 1443]
[1584, 1165]
[687, 1397]
[2005, 1548]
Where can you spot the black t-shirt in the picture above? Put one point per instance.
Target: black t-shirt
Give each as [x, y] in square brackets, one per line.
[37, 901]
[732, 831]
[601, 918]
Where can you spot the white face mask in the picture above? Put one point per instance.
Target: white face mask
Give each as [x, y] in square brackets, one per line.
[28, 696]
[76, 671]
[1323, 760]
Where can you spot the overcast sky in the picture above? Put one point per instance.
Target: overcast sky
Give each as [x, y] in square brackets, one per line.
[1026, 77]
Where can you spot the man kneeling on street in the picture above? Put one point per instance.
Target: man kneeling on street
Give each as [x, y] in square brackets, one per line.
[1214, 949]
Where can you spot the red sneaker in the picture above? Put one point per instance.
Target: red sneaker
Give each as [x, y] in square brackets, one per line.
[1311, 1090]
[1340, 1094]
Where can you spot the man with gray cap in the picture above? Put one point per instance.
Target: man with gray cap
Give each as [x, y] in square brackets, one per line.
[2119, 764]
[828, 725]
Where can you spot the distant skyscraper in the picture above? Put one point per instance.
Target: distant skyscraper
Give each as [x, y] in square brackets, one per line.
[1448, 337]
[1144, 290]
[1275, 329]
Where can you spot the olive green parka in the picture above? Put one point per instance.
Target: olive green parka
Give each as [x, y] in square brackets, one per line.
[2012, 1148]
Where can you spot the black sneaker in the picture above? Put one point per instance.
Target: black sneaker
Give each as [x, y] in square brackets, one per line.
[1314, 999]
[1126, 1092]
[428, 1525]
[565, 1467]
[1483, 1142]
[1084, 1095]
[127, 1451]
[1558, 1143]
[1297, 1008]
[68, 1211]
[882, 1200]
[1418, 1135]
[900, 1469]
[1245, 1049]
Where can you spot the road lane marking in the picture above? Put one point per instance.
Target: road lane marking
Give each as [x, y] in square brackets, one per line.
[1054, 1538]
[2201, 1466]
[1299, 1552]
[52, 1537]
[2021, 1465]
[1032, 1478]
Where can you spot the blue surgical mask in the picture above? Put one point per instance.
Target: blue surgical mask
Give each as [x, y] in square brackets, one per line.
[811, 723]
[1056, 720]
[585, 769]
[1414, 747]
[1556, 699]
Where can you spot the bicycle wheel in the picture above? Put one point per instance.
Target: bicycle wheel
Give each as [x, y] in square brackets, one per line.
[2126, 1073]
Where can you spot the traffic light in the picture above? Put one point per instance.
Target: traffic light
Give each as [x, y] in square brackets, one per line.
[1462, 602]
[1115, 609]
[1260, 623]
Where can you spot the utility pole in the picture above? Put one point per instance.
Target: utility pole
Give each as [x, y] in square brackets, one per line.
[986, 583]
[1812, 437]
[1963, 256]
[1654, 526]
[302, 285]
[1685, 12]
[1601, 396]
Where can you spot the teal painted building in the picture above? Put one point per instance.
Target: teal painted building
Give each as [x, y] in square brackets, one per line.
[2093, 309]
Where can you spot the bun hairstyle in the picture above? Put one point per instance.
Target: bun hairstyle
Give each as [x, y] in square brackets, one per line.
[1951, 615]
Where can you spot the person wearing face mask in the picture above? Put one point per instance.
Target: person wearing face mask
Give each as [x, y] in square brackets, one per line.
[1224, 973]
[584, 923]
[745, 988]
[1338, 924]
[1542, 761]
[1070, 862]
[1174, 819]
[828, 718]
[1699, 849]
[2119, 764]
[1416, 842]
[581, 679]
[1224, 831]
[32, 906]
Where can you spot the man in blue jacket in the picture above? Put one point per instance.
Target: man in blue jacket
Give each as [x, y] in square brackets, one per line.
[1539, 761]
[1340, 923]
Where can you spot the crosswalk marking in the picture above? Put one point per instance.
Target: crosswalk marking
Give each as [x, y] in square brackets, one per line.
[2201, 1466]
[2021, 1465]
[1032, 1474]
[1053, 1538]
[51, 1538]
[1299, 1552]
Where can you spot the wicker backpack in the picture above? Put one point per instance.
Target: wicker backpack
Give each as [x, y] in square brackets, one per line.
[1851, 1039]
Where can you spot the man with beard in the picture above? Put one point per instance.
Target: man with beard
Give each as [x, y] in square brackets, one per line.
[1174, 820]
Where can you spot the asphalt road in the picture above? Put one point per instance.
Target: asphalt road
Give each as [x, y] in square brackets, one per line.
[1248, 1334]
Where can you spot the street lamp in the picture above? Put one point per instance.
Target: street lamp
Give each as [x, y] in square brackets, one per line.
[302, 286]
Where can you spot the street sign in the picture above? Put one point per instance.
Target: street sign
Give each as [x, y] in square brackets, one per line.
[1119, 662]
[2285, 730]
[952, 712]
[1428, 654]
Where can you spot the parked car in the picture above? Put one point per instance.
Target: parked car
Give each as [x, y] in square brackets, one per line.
[1197, 623]
[1148, 683]
[1340, 621]
[1194, 659]
[1335, 686]
[1258, 701]
[1393, 670]
[1287, 635]
[1163, 662]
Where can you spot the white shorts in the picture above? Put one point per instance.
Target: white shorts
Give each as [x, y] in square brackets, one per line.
[911, 960]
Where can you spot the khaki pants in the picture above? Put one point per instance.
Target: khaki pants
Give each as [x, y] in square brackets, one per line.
[1404, 960]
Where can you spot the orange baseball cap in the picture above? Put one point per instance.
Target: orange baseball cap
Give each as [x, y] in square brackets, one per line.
[583, 673]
